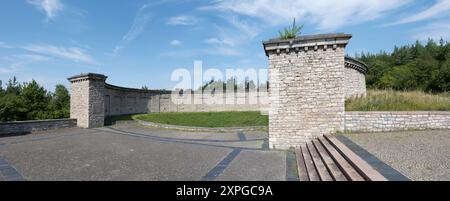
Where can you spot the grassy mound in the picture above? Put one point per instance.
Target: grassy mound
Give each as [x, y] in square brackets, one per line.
[207, 119]
[377, 100]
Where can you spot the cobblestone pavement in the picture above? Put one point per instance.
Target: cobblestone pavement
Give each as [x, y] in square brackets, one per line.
[132, 152]
[419, 155]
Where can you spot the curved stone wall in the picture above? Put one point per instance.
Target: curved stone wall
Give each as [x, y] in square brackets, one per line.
[120, 101]
[355, 78]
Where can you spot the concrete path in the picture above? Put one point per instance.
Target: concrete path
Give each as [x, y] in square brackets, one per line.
[419, 155]
[132, 152]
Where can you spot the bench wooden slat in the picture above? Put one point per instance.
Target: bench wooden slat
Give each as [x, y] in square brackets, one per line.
[332, 167]
[318, 163]
[302, 172]
[342, 163]
[312, 173]
[366, 170]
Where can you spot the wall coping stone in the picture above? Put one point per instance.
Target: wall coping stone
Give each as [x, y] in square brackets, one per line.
[87, 76]
[304, 42]
[34, 121]
[356, 64]
[161, 91]
[398, 112]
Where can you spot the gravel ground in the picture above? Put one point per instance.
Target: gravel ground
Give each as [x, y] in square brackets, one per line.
[419, 155]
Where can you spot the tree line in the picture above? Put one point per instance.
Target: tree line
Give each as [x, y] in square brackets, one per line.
[232, 83]
[418, 66]
[30, 101]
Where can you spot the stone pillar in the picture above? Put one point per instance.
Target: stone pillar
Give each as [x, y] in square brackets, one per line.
[307, 93]
[87, 100]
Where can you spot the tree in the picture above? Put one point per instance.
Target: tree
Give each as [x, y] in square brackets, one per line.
[231, 84]
[440, 80]
[12, 108]
[30, 101]
[13, 86]
[410, 67]
[60, 104]
[36, 100]
[2, 91]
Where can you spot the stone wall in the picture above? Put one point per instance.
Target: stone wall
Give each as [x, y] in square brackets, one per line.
[395, 121]
[355, 78]
[309, 79]
[87, 100]
[307, 88]
[23, 127]
[93, 100]
[120, 101]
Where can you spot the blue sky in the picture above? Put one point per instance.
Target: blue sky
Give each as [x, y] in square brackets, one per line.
[140, 42]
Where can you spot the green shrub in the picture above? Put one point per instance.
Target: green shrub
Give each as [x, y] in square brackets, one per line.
[290, 32]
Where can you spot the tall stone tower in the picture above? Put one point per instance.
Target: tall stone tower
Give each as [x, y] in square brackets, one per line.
[307, 97]
[87, 100]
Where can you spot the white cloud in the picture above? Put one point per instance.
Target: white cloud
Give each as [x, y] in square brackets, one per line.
[442, 7]
[326, 14]
[251, 30]
[74, 54]
[229, 40]
[436, 31]
[139, 23]
[175, 43]
[18, 61]
[182, 20]
[4, 45]
[223, 51]
[214, 50]
[216, 41]
[32, 57]
[50, 7]
[10, 69]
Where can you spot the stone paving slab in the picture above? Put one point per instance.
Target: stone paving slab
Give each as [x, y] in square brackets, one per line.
[134, 153]
[419, 155]
[256, 166]
[253, 140]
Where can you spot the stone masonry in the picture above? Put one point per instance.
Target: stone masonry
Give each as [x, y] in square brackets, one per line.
[395, 121]
[309, 79]
[87, 100]
[25, 127]
[93, 100]
[307, 88]
[355, 78]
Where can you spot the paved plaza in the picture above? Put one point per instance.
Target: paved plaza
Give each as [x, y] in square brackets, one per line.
[419, 155]
[132, 152]
[129, 151]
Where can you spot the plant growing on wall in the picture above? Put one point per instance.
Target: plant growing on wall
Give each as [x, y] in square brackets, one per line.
[291, 32]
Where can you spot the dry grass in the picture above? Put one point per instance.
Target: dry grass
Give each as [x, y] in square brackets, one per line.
[388, 100]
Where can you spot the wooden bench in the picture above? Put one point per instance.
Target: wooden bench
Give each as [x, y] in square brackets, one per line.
[328, 159]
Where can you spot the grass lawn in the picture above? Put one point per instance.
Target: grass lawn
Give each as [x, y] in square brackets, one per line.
[378, 100]
[207, 119]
